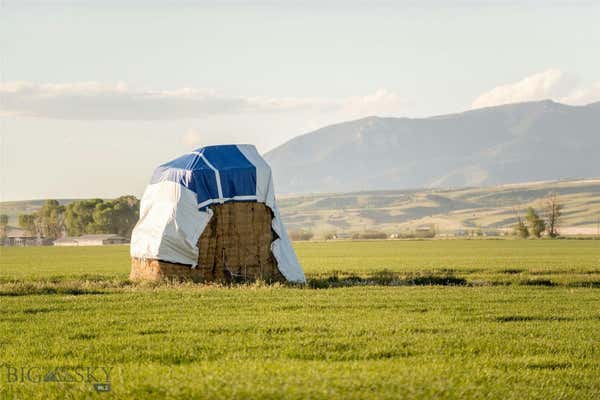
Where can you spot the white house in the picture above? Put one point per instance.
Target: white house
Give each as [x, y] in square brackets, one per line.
[91, 240]
[20, 237]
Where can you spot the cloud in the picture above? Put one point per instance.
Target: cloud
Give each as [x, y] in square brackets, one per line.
[97, 101]
[192, 138]
[584, 95]
[382, 102]
[550, 84]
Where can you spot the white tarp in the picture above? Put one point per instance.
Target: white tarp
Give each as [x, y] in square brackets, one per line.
[174, 208]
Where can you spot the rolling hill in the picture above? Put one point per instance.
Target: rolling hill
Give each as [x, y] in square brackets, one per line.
[505, 144]
[450, 210]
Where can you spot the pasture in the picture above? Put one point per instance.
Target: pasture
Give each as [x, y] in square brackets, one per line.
[386, 319]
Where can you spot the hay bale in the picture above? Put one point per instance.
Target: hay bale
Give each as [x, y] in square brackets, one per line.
[156, 270]
[234, 247]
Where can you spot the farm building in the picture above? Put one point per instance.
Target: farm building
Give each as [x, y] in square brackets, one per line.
[91, 240]
[342, 235]
[19, 238]
[211, 215]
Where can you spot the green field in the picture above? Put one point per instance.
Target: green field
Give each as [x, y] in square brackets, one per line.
[391, 319]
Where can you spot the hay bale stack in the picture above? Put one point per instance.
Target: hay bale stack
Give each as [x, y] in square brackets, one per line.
[156, 270]
[234, 247]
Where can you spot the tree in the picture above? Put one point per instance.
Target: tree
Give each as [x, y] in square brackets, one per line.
[48, 221]
[520, 228]
[3, 225]
[98, 216]
[51, 218]
[553, 211]
[29, 223]
[80, 217]
[369, 234]
[300, 235]
[117, 216]
[535, 224]
[329, 235]
[127, 210]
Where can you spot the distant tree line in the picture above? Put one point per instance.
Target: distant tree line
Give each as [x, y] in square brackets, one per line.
[48, 221]
[369, 234]
[81, 217]
[301, 234]
[535, 225]
[103, 216]
[3, 225]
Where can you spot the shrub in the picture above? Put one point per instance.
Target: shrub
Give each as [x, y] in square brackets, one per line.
[301, 235]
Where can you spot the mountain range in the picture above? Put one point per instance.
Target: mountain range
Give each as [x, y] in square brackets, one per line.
[512, 143]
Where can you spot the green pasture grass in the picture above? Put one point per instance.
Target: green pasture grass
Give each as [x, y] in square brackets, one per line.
[33, 263]
[454, 319]
[195, 341]
[478, 261]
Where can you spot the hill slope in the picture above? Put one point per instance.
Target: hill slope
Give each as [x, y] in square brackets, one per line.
[450, 210]
[399, 210]
[13, 208]
[511, 143]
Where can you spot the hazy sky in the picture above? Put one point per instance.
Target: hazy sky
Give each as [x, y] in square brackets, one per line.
[95, 94]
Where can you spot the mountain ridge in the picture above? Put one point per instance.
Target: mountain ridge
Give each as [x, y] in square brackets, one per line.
[517, 142]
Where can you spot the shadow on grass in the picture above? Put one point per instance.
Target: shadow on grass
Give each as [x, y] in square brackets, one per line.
[537, 282]
[29, 290]
[96, 284]
[549, 365]
[531, 318]
[585, 284]
[41, 310]
[66, 286]
[382, 278]
[83, 336]
[153, 332]
[512, 271]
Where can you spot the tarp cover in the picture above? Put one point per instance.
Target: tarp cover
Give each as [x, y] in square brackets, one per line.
[174, 208]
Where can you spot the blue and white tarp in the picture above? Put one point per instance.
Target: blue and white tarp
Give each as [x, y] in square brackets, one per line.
[175, 209]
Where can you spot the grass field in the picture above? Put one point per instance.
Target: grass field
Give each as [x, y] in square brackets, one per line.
[396, 319]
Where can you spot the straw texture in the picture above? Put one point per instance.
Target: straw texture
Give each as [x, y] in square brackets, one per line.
[234, 247]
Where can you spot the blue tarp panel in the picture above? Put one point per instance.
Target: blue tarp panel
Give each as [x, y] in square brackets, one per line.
[198, 172]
